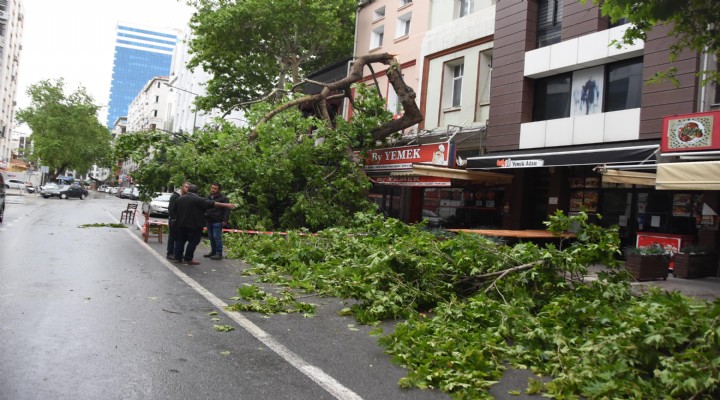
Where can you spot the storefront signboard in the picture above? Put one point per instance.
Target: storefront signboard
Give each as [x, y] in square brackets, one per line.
[402, 158]
[419, 181]
[510, 163]
[691, 132]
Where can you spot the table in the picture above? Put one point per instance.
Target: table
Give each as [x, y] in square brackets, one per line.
[516, 234]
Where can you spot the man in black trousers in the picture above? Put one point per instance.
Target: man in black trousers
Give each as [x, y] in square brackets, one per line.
[172, 218]
[190, 211]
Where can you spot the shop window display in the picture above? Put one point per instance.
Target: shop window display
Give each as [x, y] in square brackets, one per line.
[470, 207]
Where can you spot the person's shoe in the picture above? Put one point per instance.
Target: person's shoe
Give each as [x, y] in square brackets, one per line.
[177, 260]
[192, 262]
[216, 257]
[170, 256]
[209, 255]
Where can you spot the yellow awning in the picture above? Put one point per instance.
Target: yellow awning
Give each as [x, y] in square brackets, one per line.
[452, 173]
[701, 175]
[628, 177]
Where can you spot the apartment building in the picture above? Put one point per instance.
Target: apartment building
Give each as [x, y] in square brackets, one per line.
[576, 122]
[568, 117]
[11, 31]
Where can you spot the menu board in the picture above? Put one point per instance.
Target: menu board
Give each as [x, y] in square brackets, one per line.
[584, 195]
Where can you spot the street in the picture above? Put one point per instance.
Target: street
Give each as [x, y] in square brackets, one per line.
[94, 312]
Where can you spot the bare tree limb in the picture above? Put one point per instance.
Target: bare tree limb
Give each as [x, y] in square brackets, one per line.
[406, 94]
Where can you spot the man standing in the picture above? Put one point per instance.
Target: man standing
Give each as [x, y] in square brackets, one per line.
[216, 219]
[172, 218]
[190, 212]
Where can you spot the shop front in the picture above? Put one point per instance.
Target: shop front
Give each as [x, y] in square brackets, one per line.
[421, 182]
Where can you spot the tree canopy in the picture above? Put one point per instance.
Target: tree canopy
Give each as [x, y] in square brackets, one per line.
[695, 23]
[295, 174]
[252, 46]
[66, 133]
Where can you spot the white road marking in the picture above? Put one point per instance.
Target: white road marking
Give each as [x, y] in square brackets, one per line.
[325, 381]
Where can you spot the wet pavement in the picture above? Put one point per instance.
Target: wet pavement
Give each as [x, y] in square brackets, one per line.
[97, 312]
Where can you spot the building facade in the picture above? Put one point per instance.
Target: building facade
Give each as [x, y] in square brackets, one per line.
[11, 31]
[148, 109]
[141, 53]
[186, 85]
[567, 105]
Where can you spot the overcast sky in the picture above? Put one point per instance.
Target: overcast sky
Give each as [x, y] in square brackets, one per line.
[75, 40]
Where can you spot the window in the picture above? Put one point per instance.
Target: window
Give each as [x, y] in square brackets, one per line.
[552, 97]
[621, 21]
[463, 8]
[405, 2]
[376, 37]
[612, 87]
[549, 27]
[157, 99]
[457, 80]
[393, 101]
[158, 85]
[403, 25]
[154, 113]
[379, 13]
[624, 85]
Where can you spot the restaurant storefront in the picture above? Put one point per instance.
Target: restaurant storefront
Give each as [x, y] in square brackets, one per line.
[422, 182]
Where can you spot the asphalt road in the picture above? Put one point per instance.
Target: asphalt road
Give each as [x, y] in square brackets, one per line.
[88, 313]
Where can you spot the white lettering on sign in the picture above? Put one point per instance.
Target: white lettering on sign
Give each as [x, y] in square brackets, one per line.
[408, 154]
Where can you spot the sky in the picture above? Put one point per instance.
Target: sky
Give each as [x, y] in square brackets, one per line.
[75, 40]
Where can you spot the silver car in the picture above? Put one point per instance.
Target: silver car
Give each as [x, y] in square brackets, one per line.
[159, 205]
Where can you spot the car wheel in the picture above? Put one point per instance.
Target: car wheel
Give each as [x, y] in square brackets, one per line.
[63, 196]
[82, 197]
[46, 197]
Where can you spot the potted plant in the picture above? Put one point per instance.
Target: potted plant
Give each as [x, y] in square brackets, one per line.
[695, 262]
[646, 263]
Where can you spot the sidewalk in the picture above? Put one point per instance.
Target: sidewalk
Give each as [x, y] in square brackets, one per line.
[701, 288]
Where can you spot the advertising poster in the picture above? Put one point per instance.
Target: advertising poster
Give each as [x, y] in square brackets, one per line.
[682, 205]
[587, 93]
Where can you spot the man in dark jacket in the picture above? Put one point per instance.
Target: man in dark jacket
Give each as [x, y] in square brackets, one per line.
[216, 219]
[172, 217]
[190, 211]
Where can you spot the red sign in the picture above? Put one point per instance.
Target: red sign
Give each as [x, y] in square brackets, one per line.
[418, 181]
[691, 132]
[400, 158]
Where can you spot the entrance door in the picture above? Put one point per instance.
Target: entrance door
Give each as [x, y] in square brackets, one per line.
[616, 209]
[535, 211]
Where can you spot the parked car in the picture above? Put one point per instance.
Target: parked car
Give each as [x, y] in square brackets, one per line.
[65, 192]
[112, 190]
[29, 187]
[135, 194]
[125, 193]
[159, 205]
[102, 188]
[2, 198]
[49, 185]
[14, 184]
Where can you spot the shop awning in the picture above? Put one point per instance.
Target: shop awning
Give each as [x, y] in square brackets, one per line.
[455, 173]
[688, 176]
[568, 156]
[628, 177]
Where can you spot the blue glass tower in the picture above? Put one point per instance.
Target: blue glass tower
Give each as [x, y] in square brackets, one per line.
[140, 55]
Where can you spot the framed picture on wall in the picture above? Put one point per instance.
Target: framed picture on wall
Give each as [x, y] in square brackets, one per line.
[587, 91]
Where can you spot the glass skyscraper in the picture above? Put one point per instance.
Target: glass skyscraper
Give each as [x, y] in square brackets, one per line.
[140, 55]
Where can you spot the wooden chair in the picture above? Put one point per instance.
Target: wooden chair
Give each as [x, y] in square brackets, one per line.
[127, 216]
[152, 227]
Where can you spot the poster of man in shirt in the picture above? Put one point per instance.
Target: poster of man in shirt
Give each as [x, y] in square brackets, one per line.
[587, 85]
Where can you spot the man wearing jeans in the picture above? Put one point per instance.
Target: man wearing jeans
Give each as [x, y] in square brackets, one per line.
[216, 219]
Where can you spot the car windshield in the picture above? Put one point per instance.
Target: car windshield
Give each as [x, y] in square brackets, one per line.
[64, 187]
[163, 197]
